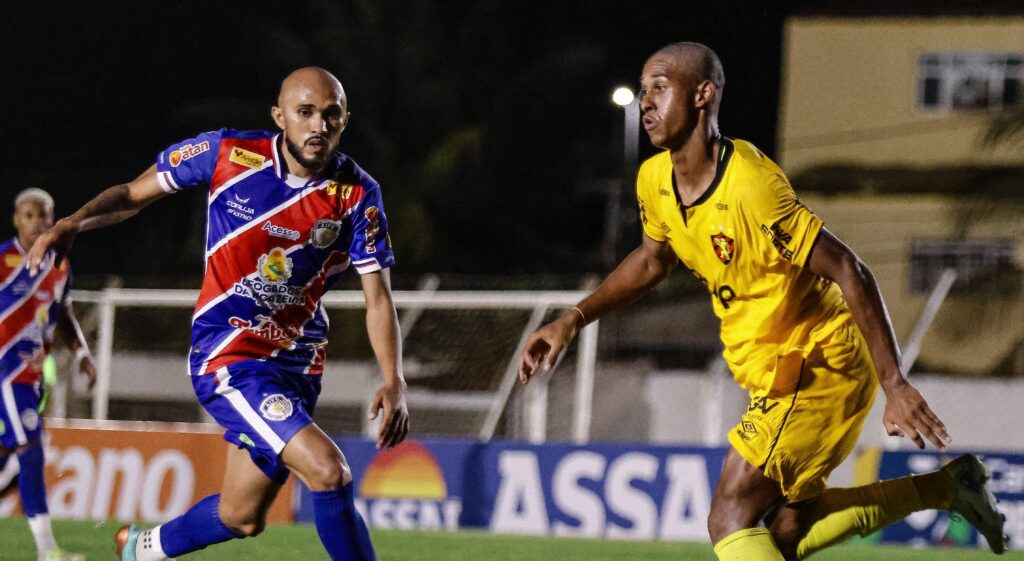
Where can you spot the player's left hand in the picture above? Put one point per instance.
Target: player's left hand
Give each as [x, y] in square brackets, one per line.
[395, 423]
[85, 366]
[907, 413]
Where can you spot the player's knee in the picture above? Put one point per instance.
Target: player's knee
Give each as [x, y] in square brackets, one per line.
[729, 516]
[786, 539]
[328, 475]
[243, 524]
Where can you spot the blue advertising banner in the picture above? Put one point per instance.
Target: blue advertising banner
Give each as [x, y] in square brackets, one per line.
[932, 527]
[598, 490]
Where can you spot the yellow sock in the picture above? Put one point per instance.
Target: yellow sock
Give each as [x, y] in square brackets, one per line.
[752, 544]
[838, 514]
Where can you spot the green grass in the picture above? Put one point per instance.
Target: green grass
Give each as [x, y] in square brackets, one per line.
[285, 543]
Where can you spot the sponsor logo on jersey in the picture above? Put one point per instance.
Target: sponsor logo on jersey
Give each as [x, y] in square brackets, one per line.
[280, 231]
[186, 152]
[266, 328]
[273, 296]
[664, 192]
[722, 207]
[276, 407]
[274, 267]
[241, 211]
[243, 157]
[724, 247]
[324, 233]
[372, 228]
[30, 418]
[643, 211]
[780, 239]
[12, 260]
[749, 427]
[244, 201]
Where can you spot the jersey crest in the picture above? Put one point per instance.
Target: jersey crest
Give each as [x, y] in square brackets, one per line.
[724, 247]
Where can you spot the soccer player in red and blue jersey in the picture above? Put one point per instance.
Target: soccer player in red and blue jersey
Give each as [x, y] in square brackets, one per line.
[31, 309]
[287, 213]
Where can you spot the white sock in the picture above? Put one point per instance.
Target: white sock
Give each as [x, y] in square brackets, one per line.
[42, 531]
[148, 547]
[10, 470]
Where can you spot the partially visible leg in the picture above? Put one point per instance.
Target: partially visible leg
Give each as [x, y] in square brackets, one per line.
[743, 498]
[239, 511]
[32, 488]
[838, 514]
[315, 459]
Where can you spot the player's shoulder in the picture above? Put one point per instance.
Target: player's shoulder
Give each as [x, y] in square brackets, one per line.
[228, 133]
[654, 170]
[750, 159]
[347, 171]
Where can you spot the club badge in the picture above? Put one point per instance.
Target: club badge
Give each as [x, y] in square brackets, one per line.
[324, 233]
[724, 247]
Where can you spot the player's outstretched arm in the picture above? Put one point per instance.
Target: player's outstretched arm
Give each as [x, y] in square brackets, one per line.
[114, 205]
[638, 273]
[906, 411]
[382, 328]
[71, 332]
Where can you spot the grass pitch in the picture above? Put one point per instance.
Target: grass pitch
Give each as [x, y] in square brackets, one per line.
[300, 542]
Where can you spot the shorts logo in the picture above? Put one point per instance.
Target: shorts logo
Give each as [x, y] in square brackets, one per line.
[274, 267]
[276, 407]
[30, 418]
[724, 247]
[186, 152]
[761, 403]
[246, 158]
[324, 233]
[749, 427]
[372, 229]
[280, 231]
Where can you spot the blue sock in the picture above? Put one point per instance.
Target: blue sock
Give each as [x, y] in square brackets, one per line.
[30, 480]
[341, 528]
[199, 527]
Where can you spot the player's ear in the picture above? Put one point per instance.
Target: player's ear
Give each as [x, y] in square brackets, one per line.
[278, 116]
[703, 94]
[344, 120]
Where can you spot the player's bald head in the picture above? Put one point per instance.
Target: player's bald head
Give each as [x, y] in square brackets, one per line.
[311, 78]
[697, 60]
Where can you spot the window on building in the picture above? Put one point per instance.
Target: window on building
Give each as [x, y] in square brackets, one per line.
[969, 81]
[973, 260]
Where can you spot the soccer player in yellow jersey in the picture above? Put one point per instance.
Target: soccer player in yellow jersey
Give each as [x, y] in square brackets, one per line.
[803, 323]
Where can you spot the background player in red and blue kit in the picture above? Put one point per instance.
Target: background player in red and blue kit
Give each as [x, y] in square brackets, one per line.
[287, 213]
[31, 309]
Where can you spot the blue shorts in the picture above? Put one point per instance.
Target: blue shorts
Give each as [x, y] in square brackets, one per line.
[19, 414]
[262, 406]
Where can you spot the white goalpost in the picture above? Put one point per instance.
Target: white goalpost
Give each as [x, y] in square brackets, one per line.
[491, 405]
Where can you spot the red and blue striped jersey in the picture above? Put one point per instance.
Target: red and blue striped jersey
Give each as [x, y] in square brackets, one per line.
[275, 244]
[28, 312]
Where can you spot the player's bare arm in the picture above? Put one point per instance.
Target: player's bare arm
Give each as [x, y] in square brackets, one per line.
[906, 411]
[71, 333]
[382, 328]
[116, 204]
[638, 273]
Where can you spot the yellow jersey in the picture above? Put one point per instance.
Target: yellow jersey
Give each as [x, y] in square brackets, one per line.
[747, 238]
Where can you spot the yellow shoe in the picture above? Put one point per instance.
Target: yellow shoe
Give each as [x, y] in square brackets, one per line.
[974, 501]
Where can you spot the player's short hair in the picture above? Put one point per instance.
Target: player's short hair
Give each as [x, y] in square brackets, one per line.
[35, 194]
[706, 62]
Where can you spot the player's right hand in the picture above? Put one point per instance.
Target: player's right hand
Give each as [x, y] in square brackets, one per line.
[59, 238]
[545, 346]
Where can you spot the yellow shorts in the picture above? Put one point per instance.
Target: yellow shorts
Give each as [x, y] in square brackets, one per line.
[808, 421]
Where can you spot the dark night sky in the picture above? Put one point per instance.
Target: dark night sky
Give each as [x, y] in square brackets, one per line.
[91, 91]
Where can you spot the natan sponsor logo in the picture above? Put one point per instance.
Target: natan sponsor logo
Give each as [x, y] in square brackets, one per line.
[118, 483]
[404, 488]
